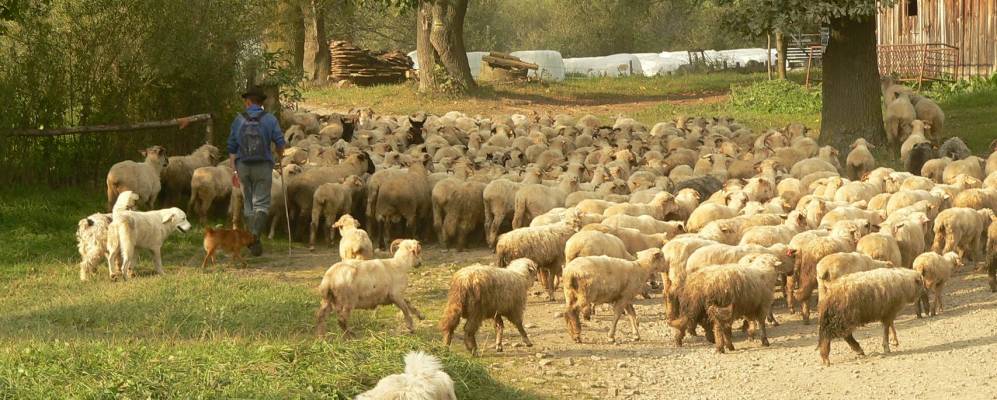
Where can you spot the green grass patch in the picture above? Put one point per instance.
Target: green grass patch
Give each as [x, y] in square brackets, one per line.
[776, 97]
[220, 333]
[971, 116]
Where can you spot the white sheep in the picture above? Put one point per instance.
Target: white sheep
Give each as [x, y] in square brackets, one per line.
[899, 116]
[607, 280]
[480, 292]
[881, 246]
[595, 243]
[972, 166]
[768, 235]
[142, 178]
[330, 202]
[935, 270]
[543, 244]
[646, 224]
[659, 207]
[960, 229]
[837, 265]
[355, 243]
[367, 284]
[859, 160]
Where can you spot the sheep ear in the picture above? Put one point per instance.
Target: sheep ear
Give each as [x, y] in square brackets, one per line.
[394, 246]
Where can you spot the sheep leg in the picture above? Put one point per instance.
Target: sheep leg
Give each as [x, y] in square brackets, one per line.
[415, 310]
[517, 320]
[771, 318]
[344, 317]
[886, 336]
[764, 331]
[854, 344]
[893, 329]
[499, 326]
[406, 312]
[632, 314]
[321, 314]
[312, 228]
[273, 224]
[618, 310]
[805, 310]
[470, 330]
[938, 297]
[787, 293]
[571, 318]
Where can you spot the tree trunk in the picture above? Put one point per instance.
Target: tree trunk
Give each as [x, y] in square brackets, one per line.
[316, 56]
[780, 43]
[424, 49]
[851, 90]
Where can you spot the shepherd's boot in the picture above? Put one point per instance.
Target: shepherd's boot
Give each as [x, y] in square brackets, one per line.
[259, 225]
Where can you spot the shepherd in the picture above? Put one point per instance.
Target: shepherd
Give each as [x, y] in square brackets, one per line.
[250, 157]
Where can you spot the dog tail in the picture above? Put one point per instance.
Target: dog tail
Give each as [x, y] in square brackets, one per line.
[418, 363]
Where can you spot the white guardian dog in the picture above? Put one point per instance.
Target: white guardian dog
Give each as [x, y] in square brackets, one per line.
[91, 235]
[423, 379]
[148, 230]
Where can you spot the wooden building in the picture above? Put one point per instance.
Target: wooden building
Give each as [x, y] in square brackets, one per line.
[938, 39]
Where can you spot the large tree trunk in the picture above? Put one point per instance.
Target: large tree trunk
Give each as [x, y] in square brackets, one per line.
[317, 57]
[780, 44]
[440, 40]
[851, 88]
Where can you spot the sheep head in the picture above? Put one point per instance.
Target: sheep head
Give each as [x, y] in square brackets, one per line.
[407, 248]
[652, 259]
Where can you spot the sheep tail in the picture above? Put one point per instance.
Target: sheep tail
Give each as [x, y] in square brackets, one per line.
[831, 323]
[456, 300]
[520, 213]
[504, 257]
[421, 364]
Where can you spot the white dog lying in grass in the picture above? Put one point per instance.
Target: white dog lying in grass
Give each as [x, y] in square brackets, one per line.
[148, 230]
[91, 235]
[423, 379]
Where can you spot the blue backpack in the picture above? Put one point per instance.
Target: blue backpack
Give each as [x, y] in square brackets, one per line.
[252, 142]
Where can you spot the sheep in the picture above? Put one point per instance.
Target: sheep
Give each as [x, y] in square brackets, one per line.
[607, 280]
[543, 244]
[861, 298]
[180, 169]
[849, 213]
[646, 224]
[809, 250]
[971, 166]
[916, 137]
[935, 271]
[141, 178]
[500, 205]
[919, 157]
[881, 246]
[595, 243]
[424, 379]
[976, 199]
[935, 168]
[395, 196]
[332, 200]
[959, 229]
[367, 284]
[301, 188]
[355, 243]
[704, 185]
[860, 160]
[632, 238]
[706, 213]
[812, 165]
[954, 148]
[991, 166]
[91, 235]
[745, 285]
[927, 110]
[662, 204]
[910, 235]
[535, 199]
[479, 292]
[768, 235]
[207, 185]
[461, 213]
[899, 115]
[834, 266]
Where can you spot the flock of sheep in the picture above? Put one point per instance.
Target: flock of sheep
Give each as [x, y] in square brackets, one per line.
[718, 217]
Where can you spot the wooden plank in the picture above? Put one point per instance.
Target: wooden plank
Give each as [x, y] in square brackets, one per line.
[502, 62]
[178, 122]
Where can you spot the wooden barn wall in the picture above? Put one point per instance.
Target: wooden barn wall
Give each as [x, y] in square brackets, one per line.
[970, 25]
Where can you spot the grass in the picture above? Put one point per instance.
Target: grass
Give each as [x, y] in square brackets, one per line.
[188, 334]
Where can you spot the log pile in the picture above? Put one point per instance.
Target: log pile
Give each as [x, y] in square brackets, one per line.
[502, 67]
[363, 67]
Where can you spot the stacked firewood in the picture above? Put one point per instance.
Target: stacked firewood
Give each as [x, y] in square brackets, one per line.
[363, 67]
[501, 67]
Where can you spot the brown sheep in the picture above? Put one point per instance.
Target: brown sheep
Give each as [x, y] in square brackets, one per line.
[461, 214]
[500, 206]
[809, 250]
[398, 196]
[861, 298]
[480, 292]
[301, 188]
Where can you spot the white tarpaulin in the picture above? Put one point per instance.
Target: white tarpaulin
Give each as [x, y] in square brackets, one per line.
[550, 62]
[613, 65]
[654, 64]
[741, 57]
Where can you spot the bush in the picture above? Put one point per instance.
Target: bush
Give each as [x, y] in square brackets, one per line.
[970, 86]
[776, 96]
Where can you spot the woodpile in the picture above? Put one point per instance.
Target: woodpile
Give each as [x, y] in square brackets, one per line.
[363, 67]
[501, 67]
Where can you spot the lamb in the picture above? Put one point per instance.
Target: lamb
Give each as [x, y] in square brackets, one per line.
[595, 243]
[809, 250]
[881, 246]
[543, 245]
[141, 178]
[927, 110]
[180, 169]
[861, 298]
[607, 280]
[355, 243]
[971, 166]
[91, 235]
[960, 229]
[424, 379]
[860, 160]
[910, 235]
[746, 285]
[662, 204]
[954, 148]
[837, 265]
[480, 292]
[332, 200]
[646, 224]
[133, 229]
[367, 284]
[535, 199]
[935, 271]
[899, 115]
